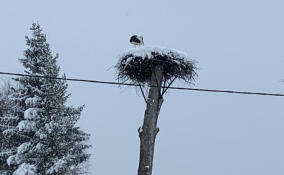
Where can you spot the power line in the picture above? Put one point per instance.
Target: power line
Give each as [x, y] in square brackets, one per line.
[137, 85]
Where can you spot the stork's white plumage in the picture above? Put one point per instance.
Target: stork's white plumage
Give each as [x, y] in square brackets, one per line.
[136, 40]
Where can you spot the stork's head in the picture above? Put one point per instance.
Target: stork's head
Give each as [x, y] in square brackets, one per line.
[137, 40]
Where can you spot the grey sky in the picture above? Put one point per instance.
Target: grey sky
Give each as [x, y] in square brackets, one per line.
[238, 44]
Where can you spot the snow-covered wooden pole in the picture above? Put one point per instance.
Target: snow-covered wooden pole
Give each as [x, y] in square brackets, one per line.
[155, 68]
[149, 129]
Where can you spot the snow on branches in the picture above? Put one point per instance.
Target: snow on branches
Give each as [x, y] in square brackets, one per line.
[24, 169]
[31, 113]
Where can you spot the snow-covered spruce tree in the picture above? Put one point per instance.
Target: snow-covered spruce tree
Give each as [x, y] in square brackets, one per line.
[48, 141]
[6, 120]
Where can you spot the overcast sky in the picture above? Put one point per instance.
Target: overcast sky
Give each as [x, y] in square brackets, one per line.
[238, 45]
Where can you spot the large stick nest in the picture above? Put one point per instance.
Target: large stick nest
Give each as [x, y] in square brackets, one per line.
[136, 65]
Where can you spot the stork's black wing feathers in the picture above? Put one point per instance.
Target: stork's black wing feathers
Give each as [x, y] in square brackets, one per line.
[134, 39]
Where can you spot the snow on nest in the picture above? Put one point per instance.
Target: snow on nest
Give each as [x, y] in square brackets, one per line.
[146, 52]
[136, 64]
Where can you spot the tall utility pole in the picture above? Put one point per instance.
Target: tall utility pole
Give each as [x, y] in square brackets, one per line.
[149, 129]
[157, 68]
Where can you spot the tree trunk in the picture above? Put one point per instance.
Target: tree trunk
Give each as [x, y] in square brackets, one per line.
[149, 129]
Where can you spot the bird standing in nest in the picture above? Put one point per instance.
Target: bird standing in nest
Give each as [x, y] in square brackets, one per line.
[136, 40]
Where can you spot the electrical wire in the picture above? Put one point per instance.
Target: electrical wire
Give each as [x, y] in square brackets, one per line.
[137, 85]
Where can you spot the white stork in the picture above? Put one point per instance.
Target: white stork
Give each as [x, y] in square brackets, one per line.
[136, 40]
